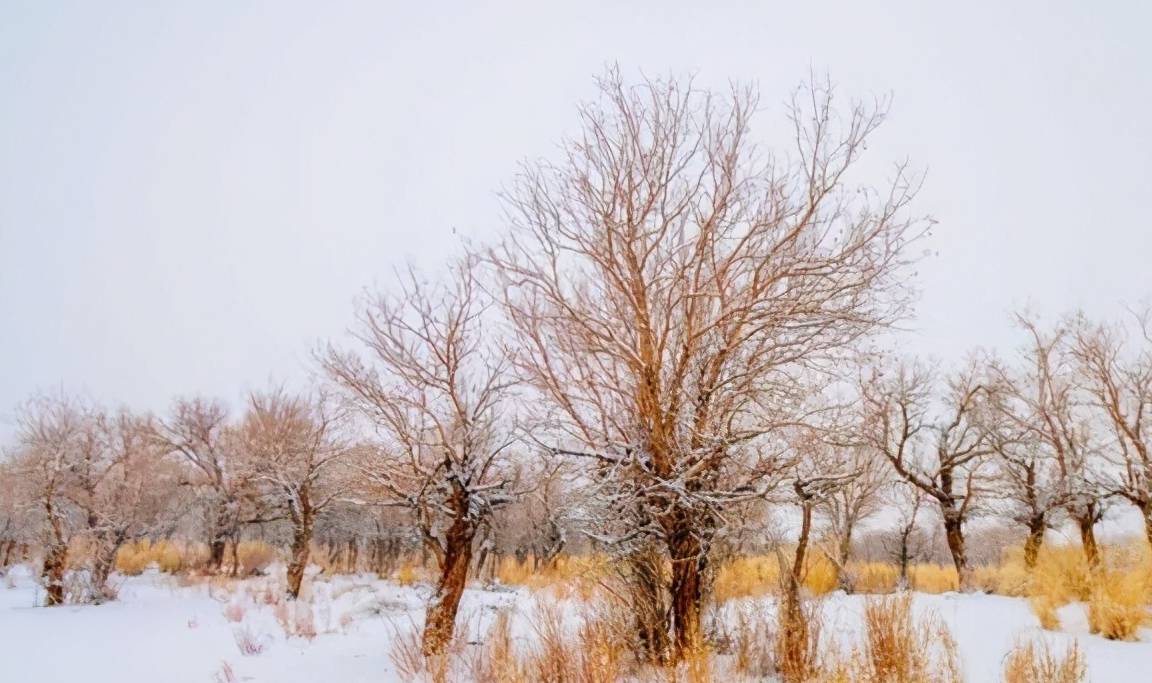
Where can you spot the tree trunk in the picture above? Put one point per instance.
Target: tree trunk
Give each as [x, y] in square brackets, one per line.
[954, 532]
[1146, 510]
[843, 550]
[102, 563]
[216, 547]
[55, 563]
[648, 591]
[688, 563]
[1036, 527]
[1087, 525]
[441, 622]
[301, 543]
[235, 554]
[905, 558]
[796, 576]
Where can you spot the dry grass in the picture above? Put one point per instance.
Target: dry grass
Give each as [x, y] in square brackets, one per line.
[901, 648]
[296, 619]
[247, 641]
[1032, 662]
[797, 642]
[168, 556]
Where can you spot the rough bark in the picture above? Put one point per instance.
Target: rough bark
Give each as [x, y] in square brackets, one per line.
[301, 543]
[441, 622]
[1036, 527]
[954, 533]
[55, 564]
[1087, 525]
[648, 592]
[687, 588]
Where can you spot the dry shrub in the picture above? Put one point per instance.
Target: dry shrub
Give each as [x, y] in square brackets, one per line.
[1036, 663]
[1118, 604]
[498, 662]
[255, 556]
[234, 612]
[759, 575]
[296, 619]
[1117, 592]
[566, 575]
[751, 646]
[797, 644]
[407, 574]
[225, 674]
[554, 656]
[900, 648]
[248, 642]
[407, 656]
[874, 577]
[169, 557]
[933, 578]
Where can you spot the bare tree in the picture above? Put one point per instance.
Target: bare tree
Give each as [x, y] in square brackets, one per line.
[906, 543]
[291, 449]
[1116, 372]
[438, 394]
[850, 504]
[669, 288]
[820, 470]
[1040, 438]
[940, 456]
[198, 431]
[49, 439]
[123, 486]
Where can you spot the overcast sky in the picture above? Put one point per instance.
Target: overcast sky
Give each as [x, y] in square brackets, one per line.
[193, 194]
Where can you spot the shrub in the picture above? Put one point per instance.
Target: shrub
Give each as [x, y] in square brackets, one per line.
[1036, 663]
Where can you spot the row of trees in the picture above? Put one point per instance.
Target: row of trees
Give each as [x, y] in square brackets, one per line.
[674, 335]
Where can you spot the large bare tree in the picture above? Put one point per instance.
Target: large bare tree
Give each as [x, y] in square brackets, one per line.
[50, 438]
[670, 285]
[937, 444]
[199, 432]
[292, 450]
[124, 486]
[1115, 369]
[438, 393]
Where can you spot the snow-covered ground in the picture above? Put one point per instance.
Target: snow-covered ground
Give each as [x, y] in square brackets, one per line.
[162, 629]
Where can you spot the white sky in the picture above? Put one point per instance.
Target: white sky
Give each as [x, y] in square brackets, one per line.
[193, 194]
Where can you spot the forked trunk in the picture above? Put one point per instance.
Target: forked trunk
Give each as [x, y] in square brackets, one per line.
[441, 622]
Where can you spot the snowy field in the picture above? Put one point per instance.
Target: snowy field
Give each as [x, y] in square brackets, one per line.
[163, 629]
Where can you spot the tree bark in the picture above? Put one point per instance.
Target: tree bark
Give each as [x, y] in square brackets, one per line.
[648, 591]
[441, 622]
[843, 550]
[1087, 525]
[301, 545]
[1146, 511]
[688, 563]
[55, 563]
[954, 533]
[1036, 527]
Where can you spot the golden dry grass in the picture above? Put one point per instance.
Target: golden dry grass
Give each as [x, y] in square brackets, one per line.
[1036, 662]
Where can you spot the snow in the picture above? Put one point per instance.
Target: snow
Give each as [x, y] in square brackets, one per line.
[163, 629]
